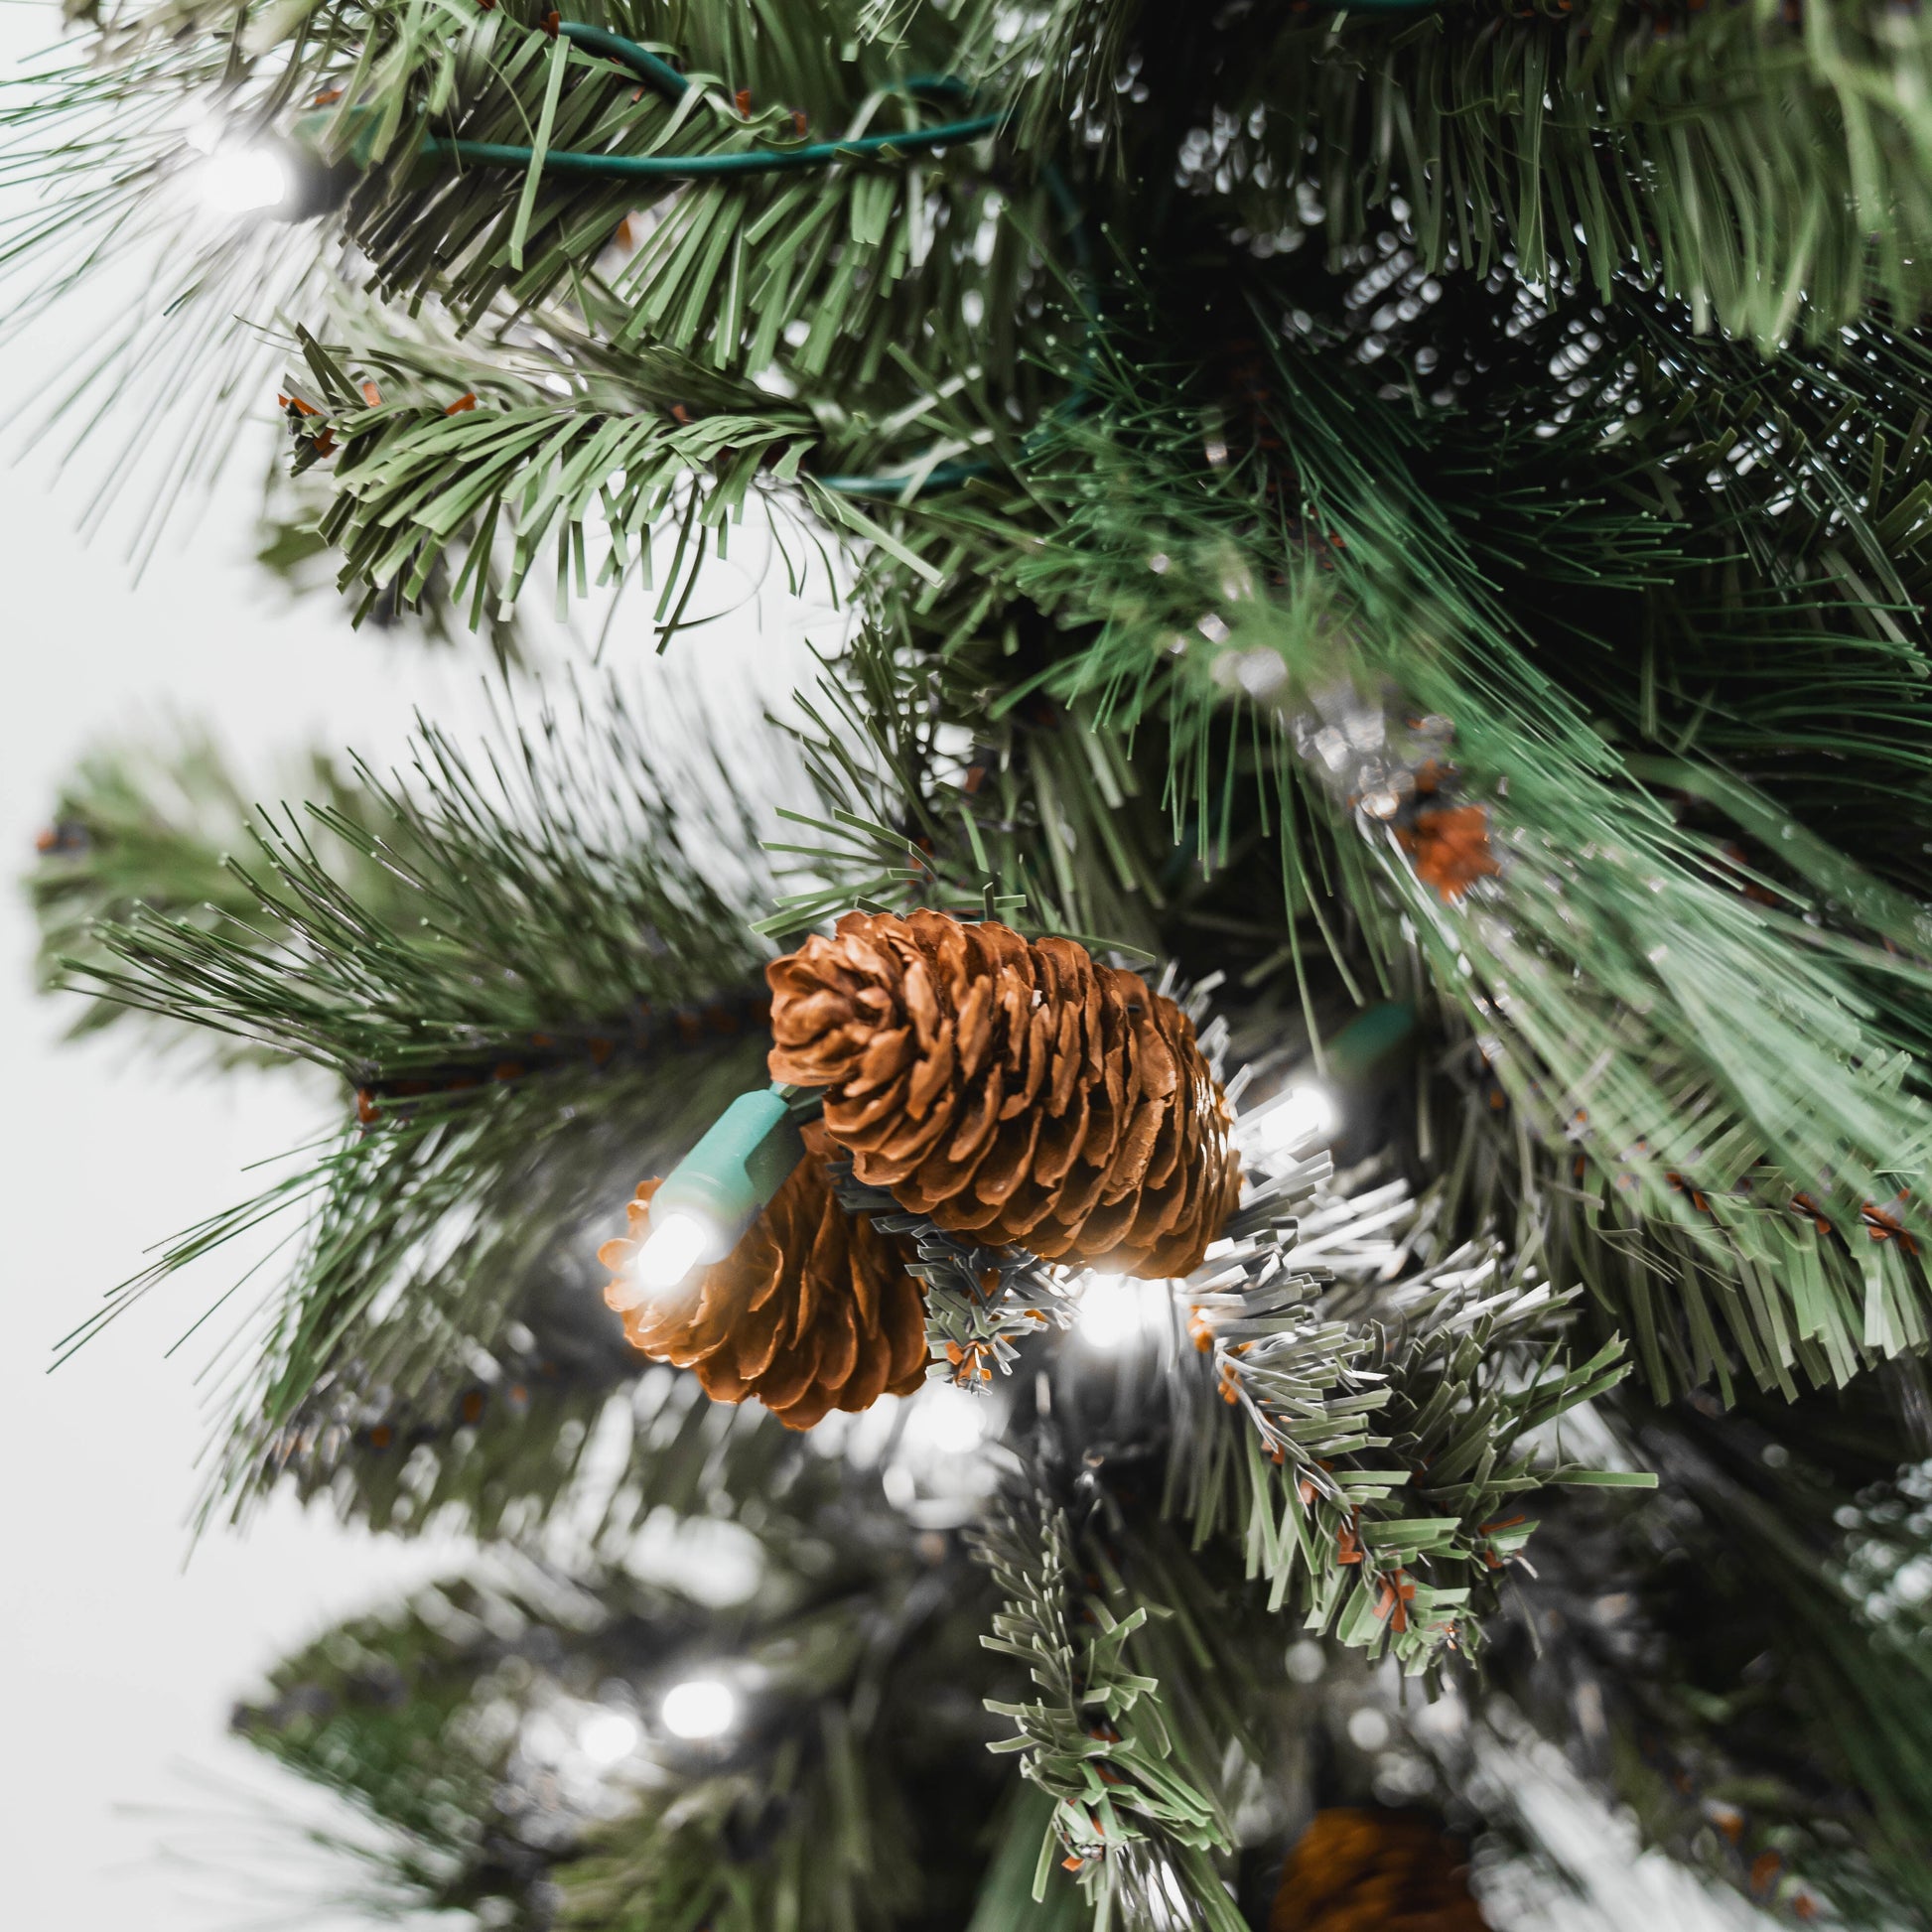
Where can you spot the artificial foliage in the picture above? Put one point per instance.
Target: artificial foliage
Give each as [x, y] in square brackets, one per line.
[1347, 917]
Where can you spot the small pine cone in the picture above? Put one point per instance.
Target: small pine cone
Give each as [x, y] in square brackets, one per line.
[812, 1310]
[1450, 846]
[1374, 1872]
[1020, 1094]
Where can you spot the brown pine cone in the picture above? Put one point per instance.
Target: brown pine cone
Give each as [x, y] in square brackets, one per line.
[1022, 1094]
[812, 1310]
[1374, 1872]
[1450, 846]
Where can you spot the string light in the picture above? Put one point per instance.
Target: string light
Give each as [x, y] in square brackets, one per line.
[1303, 1115]
[675, 1245]
[608, 1736]
[711, 1195]
[699, 1708]
[948, 1421]
[246, 180]
[1115, 1312]
[1369, 1730]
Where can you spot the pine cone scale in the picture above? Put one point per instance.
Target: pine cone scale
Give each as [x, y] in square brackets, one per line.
[838, 1353]
[1374, 1872]
[1130, 1162]
[974, 1029]
[872, 1372]
[967, 1214]
[1079, 1194]
[752, 1340]
[885, 1150]
[1009, 1163]
[1069, 1054]
[1058, 1145]
[782, 1385]
[888, 1104]
[883, 1060]
[921, 1001]
[979, 1123]
[932, 1074]
[904, 1320]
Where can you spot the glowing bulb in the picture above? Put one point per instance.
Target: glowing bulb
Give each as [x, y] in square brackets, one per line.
[607, 1736]
[1115, 1311]
[950, 1421]
[702, 1708]
[244, 180]
[1369, 1730]
[1301, 1115]
[676, 1246]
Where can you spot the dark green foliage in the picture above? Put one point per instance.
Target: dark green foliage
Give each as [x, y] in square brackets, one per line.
[456, 1723]
[135, 832]
[1762, 165]
[1133, 1799]
[1742, 1656]
[428, 1244]
[537, 900]
[1617, 1011]
[293, 550]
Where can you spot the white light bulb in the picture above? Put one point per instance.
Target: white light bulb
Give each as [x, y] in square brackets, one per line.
[607, 1736]
[1369, 1730]
[950, 1421]
[1115, 1311]
[244, 180]
[701, 1707]
[1302, 1115]
[676, 1246]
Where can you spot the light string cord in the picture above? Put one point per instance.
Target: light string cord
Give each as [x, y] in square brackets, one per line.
[660, 75]
[658, 72]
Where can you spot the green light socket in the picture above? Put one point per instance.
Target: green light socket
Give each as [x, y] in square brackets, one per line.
[1373, 1041]
[734, 1170]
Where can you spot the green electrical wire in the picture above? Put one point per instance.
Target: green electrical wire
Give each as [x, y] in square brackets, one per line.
[642, 61]
[697, 166]
[659, 74]
[666, 78]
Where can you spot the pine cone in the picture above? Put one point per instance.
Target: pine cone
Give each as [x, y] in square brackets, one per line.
[812, 1310]
[1447, 840]
[1374, 1872]
[1018, 1093]
[1450, 846]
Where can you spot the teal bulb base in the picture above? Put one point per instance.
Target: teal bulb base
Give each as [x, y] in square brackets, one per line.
[739, 1164]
